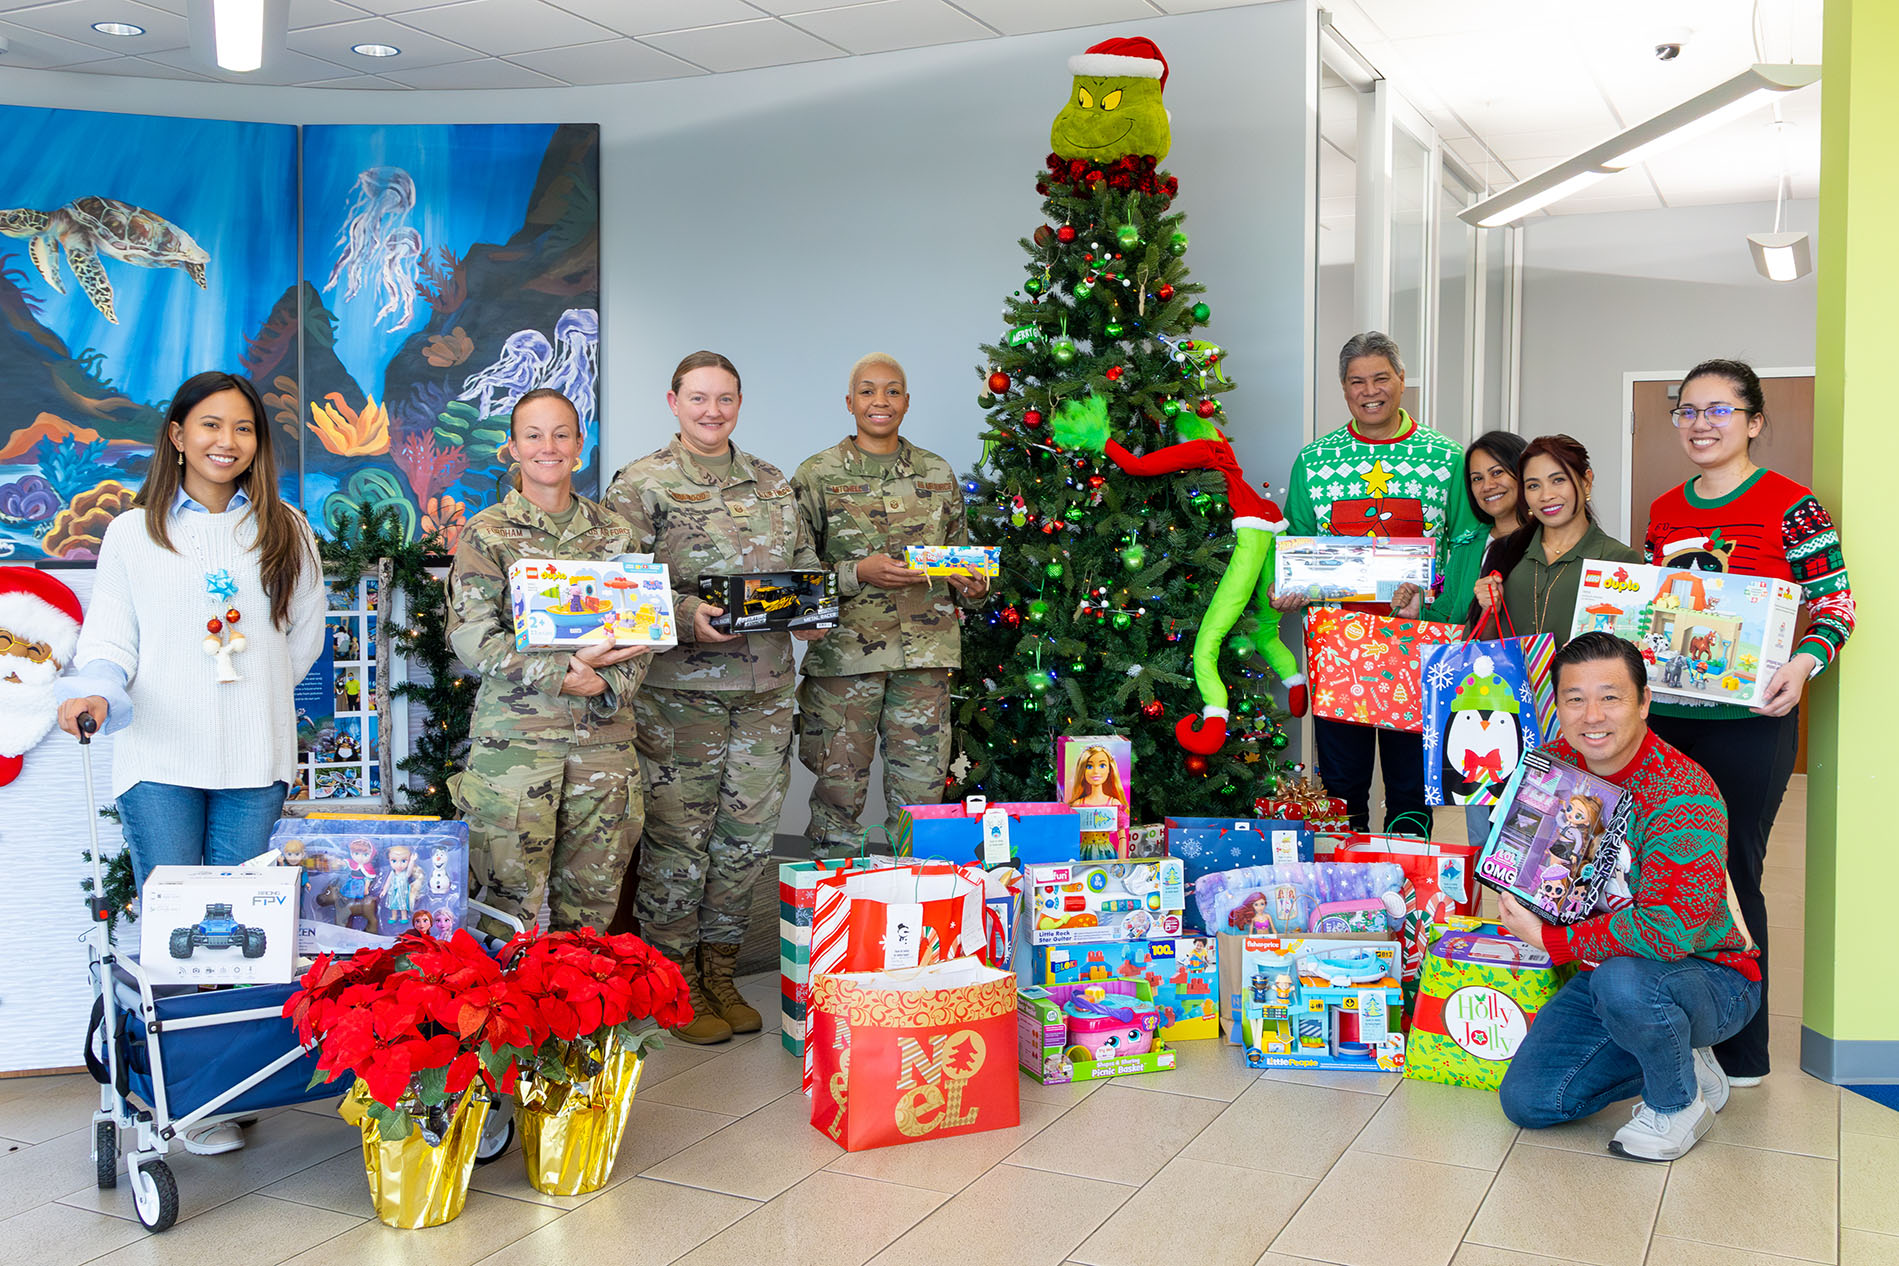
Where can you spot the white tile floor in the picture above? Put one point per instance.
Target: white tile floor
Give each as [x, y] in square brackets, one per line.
[1211, 1163]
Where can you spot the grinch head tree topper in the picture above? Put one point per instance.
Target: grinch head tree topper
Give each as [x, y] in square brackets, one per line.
[1114, 108]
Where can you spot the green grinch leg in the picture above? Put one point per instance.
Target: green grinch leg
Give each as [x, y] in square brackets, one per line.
[1206, 732]
[1267, 642]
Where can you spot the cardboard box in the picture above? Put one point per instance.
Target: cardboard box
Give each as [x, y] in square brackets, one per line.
[565, 604]
[1352, 568]
[213, 925]
[1081, 903]
[954, 560]
[1559, 841]
[1181, 971]
[1713, 637]
[1322, 1003]
[1046, 1053]
[772, 601]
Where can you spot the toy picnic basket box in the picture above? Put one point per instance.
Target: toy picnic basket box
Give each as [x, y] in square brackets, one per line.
[1481, 992]
[1559, 841]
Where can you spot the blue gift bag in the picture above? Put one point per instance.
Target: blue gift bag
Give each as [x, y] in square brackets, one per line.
[1481, 714]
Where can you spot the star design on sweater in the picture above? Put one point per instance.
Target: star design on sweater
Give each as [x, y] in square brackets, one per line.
[1378, 479]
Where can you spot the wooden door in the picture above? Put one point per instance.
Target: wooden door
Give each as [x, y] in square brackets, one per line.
[1786, 445]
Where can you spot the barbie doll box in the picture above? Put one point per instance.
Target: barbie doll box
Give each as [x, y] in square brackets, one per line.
[1708, 637]
[1559, 841]
[1352, 568]
[218, 925]
[569, 604]
[1094, 775]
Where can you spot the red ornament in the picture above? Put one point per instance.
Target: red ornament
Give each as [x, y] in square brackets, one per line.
[998, 382]
[1152, 710]
[1114, 373]
[1165, 293]
[231, 616]
[1011, 617]
[1095, 481]
[1032, 418]
[1048, 529]
[214, 625]
[1206, 408]
[1066, 233]
[1196, 764]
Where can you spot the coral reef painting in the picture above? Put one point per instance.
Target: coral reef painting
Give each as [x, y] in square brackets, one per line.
[123, 271]
[461, 270]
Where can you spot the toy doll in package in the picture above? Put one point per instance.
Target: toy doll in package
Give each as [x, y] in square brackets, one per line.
[1559, 841]
[1326, 898]
[1095, 777]
[368, 880]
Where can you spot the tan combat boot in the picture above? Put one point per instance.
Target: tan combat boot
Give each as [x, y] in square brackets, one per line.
[706, 1028]
[716, 965]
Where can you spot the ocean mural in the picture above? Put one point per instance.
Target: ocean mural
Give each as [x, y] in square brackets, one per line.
[123, 271]
[459, 268]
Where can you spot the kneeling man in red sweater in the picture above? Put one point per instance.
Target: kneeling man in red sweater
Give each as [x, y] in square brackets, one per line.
[1665, 978]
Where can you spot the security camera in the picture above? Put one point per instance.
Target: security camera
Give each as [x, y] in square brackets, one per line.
[1668, 47]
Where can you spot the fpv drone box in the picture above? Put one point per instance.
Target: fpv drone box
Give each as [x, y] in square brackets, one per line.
[772, 601]
[569, 604]
[216, 925]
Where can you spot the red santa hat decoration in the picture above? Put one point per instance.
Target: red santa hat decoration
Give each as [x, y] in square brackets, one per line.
[39, 627]
[1124, 56]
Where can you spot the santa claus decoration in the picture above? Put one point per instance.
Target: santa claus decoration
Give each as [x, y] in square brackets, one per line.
[39, 626]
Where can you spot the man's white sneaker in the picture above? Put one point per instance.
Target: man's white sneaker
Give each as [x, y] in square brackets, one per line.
[214, 1140]
[1662, 1136]
[1712, 1082]
[1744, 1083]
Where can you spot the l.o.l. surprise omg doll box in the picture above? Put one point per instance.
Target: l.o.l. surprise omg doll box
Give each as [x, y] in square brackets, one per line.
[1082, 903]
[1094, 776]
[1090, 1031]
[1181, 971]
[1559, 840]
[568, 604]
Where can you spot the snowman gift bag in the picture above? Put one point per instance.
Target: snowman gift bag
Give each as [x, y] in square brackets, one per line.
[1481, 714]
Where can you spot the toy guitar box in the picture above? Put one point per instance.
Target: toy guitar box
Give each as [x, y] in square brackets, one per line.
[1715, 637]
[1480, 993]
[1352, 568]
[1081, 903]
[1181, 971]
[1322, 1003]
[1090, 1031]
[1559, 841]
[954, 560]
[368, 880]
[566, 604]
[772, 601]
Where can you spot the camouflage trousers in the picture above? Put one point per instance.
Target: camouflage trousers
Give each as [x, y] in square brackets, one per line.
[717, 763]
[841, 720]
[553, 821]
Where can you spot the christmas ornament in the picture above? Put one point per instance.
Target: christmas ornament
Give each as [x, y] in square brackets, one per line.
[1078, 666]
[1114, 373]
[1196, 764]
[1022, 335]
[1032, 418]
[1114, 108]
[1083, 290]
[40, 618]
[1038, 611]
[999, 382]
[1152, 709]
[1033, 285]
[1065, 234]
[1165, 292]
[1038, 680]
[1114, 329]
[1042, 235]
[1134, 558]
[1062, 351]
[1128, 235]
[1053, 571]
[985, 401]
[1201, 312]
[1122, 621]
[1170, 407]
[1177, 244]
[1011, 617]
[1206, 408]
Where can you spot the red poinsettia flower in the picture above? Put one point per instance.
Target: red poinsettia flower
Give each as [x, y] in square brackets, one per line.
[585, 984]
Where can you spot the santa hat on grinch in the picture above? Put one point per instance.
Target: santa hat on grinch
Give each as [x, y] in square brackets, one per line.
[1123, 57]
[34, 608]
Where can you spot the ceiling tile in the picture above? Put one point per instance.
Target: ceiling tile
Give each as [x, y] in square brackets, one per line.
[153, 67]
[37, 50]
[745, 45]
[1018, 17]
[1200, 6]
[74, 19]
[892, 24]
[646, 17]
[608, 62]
[360, 83]
[488, 74]
[322, 12]
[1514, 146]
[501, 27]
[282, 68]
[333, 44]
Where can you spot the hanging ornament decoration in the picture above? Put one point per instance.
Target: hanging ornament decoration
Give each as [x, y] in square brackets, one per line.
[1053, 571]
[1177, 244]
[1114, 373]
[1152, 709]
[1083, 290]
[1206, 408]
[221, 587]
[1038, 680]
[1023, 335]
[1122, 621]
[1201, 312]
[985, 401]
[1128, 235]
[1170, 407]
[1012, 617]
[1197, 764]
[1033, 285]
[999, 382]
[1062, 351]
[1165, 292]
[1032, 418]
[1065, 234]
[1134, 557]
[1114, 329]
[1019, 511]
[1038, 611]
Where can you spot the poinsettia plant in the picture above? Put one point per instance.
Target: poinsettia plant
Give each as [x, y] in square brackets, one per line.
[592, 990]
[417, 1022]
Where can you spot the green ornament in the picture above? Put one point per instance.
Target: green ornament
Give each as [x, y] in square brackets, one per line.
[1134, 557]
[985, 401]
[1079, 666]
[1114, 329]
[1201, 311]
[1228, 790]
[1031, 705]
[1038, 611]
[1170, 407]
[1063, 350]
[1053, 571]
[1033, 285]
[1246, 705]
[1177, 245]
[1198, 499]
[1279, 739]
[1083, 290]
[1024, 334]
[1219, 502]
[1128, 235]
[1037, 681]
[1122, 621]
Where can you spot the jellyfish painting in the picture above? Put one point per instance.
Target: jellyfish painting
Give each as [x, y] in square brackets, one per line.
[524, 355]
[377, 245]
[576, 358]
[570, 365]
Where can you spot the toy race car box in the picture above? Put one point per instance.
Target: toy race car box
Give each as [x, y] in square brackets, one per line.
[367, 880]
[566, 604]
[1352, 568]
[1090, 1031]
[1081, 903]
[217, 925]
[1713, 637]
[1559, 840]
[1322, 1003]
[772, 601]
[1479, 994]
[1180, 970]
[954, 560]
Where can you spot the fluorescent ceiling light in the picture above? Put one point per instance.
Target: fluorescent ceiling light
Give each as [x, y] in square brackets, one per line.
[1719, 104]
[238, 29]
[375, 50]
[1781, 256]
[118, 28]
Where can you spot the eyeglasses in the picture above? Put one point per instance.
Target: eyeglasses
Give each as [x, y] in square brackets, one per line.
[1717, 415]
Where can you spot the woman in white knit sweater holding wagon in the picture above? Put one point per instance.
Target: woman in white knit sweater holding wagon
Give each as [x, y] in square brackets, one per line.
[207, 609]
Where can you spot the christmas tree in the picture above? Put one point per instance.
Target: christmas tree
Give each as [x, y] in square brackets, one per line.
[1108, 574]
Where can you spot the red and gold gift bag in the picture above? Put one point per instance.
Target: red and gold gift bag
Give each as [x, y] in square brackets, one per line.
[903, 1056]
[1365, 668]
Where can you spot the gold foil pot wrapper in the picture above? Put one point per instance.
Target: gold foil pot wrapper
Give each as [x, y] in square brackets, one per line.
[571, 1132]
[412, 1184]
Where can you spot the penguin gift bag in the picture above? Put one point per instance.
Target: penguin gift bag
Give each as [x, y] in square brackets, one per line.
[1485, 705]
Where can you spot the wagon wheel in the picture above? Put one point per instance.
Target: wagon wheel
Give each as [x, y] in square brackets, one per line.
[155, 1195]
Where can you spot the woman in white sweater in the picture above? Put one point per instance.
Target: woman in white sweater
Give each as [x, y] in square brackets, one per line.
[207, 610]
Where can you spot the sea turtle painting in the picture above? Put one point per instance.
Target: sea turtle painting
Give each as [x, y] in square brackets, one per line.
[90, 227]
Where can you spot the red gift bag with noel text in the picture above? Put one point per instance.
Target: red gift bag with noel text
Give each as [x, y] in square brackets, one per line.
[1366, 669]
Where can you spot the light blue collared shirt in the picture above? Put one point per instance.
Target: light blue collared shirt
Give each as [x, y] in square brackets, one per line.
[182, 500]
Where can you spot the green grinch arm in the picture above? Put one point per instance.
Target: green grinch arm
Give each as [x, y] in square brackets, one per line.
[1082, 424]
[1267, 641]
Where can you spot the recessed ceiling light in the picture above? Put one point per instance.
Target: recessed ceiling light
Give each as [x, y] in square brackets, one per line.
[117, 28]
[375, 50]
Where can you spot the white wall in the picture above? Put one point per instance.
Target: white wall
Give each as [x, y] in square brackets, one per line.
[1615, 293]
[798, 216]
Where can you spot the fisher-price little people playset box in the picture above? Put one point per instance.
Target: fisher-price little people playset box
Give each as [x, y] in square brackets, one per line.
[1714, 637]
[1322, 1003]
[1479, 994]
[368, 880]
[567, 604]
[1082, 903]
[954, 560]
[1181, 971]
[1090, 1031]
[217, 925]
[1559, 841]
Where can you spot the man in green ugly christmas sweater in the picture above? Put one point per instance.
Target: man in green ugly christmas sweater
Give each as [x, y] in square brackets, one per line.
[1381, 474]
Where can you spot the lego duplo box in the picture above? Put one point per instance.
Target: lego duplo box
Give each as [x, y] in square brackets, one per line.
[954, 560]
[215, 925]
[1322, 1003]
[1046, 1053]
[1352, 568]
[567, 604]
[1711, 637]
[1180, 970]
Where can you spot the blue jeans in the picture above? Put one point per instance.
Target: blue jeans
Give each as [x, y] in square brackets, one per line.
[1477, 823]
[166, 825]
[1629, 1027]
